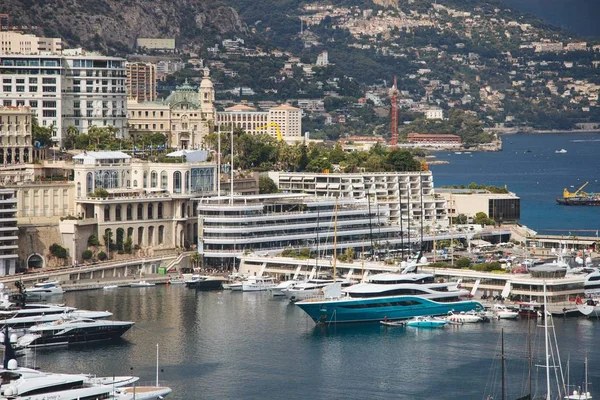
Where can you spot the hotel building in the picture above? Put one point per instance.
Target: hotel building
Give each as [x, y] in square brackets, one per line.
[268, 224]
[73, 88]
[409, 196]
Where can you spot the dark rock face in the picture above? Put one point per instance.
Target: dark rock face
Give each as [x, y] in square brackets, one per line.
[113, 26]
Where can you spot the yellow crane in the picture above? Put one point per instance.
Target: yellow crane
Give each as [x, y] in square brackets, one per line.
[577, 193]
[272, 125]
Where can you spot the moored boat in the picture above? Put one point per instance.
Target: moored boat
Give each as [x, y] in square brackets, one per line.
[44, 289]
[502, 312]
[464, 317]
[257, 284]
[395, 296]
[141, 284]
[71, 331]
[426, 322]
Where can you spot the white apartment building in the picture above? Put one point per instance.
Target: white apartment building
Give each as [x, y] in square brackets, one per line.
[322, 59]
[285, 117]
[410, 196]
[8, 232]
[19, 43]
[70, 89]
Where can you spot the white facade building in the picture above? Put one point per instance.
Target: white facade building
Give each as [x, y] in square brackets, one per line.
[9, 236]
[19, 43]
[434, 113]
[410, 196]
[149, 202]
[323, 59]
[70, 89]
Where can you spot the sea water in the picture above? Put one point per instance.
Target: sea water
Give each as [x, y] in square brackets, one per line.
[234, 345]
[530, 167]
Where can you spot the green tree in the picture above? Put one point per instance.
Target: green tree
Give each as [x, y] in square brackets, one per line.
[42, 136]
[102, 256]
[93, 241]
[58, 251]
[461, 219]
[402, 160]
[128, 245]
[481, 218]
[86, 255]
[266, 185]
[463, 262]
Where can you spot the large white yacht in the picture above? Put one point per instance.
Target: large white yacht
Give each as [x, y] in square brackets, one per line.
[388, 296]
[18, 383]
[258, 283]
[70, 331]
[44, 289]
[17, 322]
[311, 288]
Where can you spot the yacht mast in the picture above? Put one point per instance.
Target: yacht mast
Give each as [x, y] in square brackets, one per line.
[335, 240]
[548, 391]
[219, 161]
[400, 216]
[503, 377]
[231, 192]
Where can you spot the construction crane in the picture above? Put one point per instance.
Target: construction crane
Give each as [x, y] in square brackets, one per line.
[272, 125]
[577, 193]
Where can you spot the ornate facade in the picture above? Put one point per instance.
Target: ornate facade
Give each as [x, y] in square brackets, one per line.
[186, 116]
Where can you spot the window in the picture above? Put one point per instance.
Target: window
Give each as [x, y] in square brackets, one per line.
[150, 211]
[7, 89]
[33, 89]
[129, 212]
[163, 180]
[140, 211]
[48, 81]
[118, 212]
[33, 103]
[177, 182]
[33, 80]
[20, 89]
[49, 104]
[153, 179]
[160, 211]
[49, 113]
[89, 186]
[49, 89]
[145, 185]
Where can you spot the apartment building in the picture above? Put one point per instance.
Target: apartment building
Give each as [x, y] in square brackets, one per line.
[141, 81]
[8, 232]
[73, 88]
[20, 43]
[410, 196]
[285, 117]
[17, 152]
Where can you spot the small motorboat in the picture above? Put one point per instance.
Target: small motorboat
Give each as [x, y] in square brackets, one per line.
[463, 317]
[427, 322]
[503, 312]
[44, 289]
[109, 287]
[393, 323]
[176, 281]
[561, 151]
[141, 284]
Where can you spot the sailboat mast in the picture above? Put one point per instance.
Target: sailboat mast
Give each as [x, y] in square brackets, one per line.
[400, 215]
[317, 256]
[335, 240]
[529, 353]
[219, 161]
[548, 391]
[231, 191]
[503, 380]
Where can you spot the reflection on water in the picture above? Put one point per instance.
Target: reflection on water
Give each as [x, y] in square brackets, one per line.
[249, 345]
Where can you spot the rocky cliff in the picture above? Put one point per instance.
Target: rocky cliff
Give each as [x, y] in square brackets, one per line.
[113, 25]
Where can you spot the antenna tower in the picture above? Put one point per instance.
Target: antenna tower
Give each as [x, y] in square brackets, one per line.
[394, 96]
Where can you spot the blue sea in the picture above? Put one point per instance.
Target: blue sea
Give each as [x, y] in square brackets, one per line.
[575, 16]
[234, 345]
[529, 167]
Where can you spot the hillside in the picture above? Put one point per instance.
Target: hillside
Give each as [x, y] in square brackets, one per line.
[112, 26]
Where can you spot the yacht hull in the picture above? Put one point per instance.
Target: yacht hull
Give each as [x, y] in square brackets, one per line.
[375, 309]
[80, 336]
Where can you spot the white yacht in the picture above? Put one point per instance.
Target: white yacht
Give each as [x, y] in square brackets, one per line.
[70, 331]
[311, 288]
[44, 289]
[502, 312]
[21, 323]
[279, 289]
[24, 383]
[258, 283]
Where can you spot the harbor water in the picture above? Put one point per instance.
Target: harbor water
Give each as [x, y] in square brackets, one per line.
[530, 167]
[222, 345]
